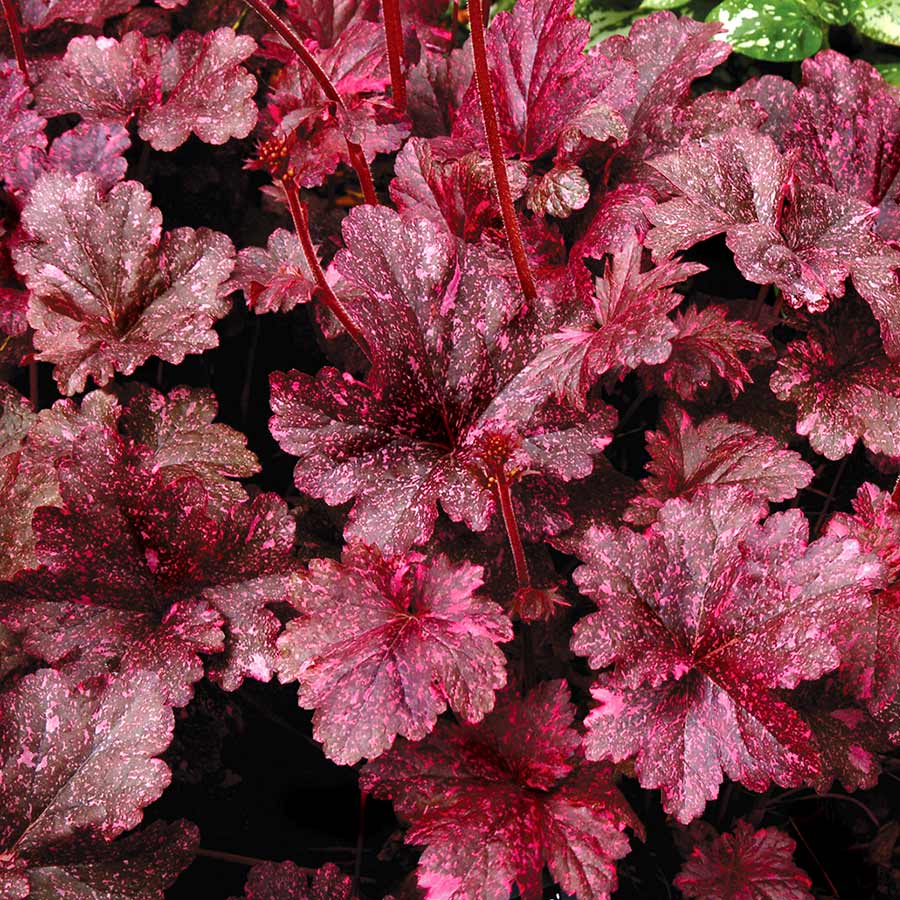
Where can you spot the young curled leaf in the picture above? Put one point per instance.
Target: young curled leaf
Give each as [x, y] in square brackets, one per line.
[287, 881]
[843, 385]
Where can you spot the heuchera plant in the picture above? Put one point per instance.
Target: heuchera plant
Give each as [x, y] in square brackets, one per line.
[586, 364]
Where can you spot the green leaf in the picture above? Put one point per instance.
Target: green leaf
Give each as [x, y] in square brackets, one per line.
[890, 72]
[649, 5]
[777, 30]
[879, 19]
[835, 12]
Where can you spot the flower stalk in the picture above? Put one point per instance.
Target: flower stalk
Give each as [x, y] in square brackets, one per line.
[12, 23]
[393, 33]
[495, 146]
[301, 226]
[292, 39]
[523, 576]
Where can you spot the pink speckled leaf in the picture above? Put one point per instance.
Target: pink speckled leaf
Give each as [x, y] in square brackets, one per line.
[21, 129]
[194, 84]
[705, 616]
[708, 349]
[433, 180]
[804, 238]
[685, 458]
[90, 148]
[73, 760]
[162, 567]
[669, 52]
[287, 881]
[745, 864]
[845, 126]
[494, 803]
[275, 279]
[207, 91]
[628, 324]
[441, 406]
[852, 742]
[871, 649]
[174, 435]
[547, 91]
[357, 66]
[384, 644]
[103, 79]
[436, 86]
[843, 385]
[325, 20]
[819, 237]
[38, 14]
[735, 178]
[179, 430]
[24, 486]
[108, 289]
[139, 866]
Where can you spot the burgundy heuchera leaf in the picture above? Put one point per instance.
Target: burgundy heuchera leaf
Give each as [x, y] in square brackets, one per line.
[194, 84]
[143, 572]
[686, 457]
[383, 645]
[549, 93]
[705, 616]
[708, 348]
[24, 485]
[494, 803]
[843, 385]
[668, 52]
[21, 129]
[441, 407]
[96, 148]
[41, 13]
[871, 649]
[275, 279]
[75, 765]
[287, 881]
[845, 127]
[627, 326]
[315, 128]
[746, 864]
[108, 288]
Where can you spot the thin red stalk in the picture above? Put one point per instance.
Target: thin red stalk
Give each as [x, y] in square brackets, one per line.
[512, 528]
[301, 225]
[279, 26]
[363, 172]
[495, 145]
[12, 23]
[393, 33]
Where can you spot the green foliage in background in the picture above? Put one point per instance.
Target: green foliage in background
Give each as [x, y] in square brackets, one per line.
[773, 30]
[787, 30]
